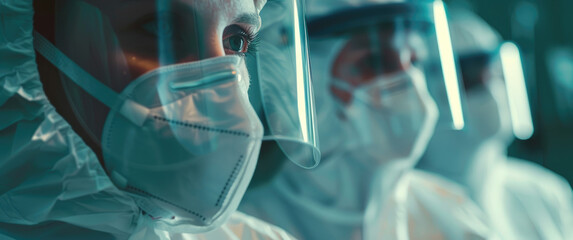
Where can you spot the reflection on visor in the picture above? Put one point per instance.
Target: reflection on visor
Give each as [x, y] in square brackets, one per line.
[516, 91]
[117, 42]
[285, 99]
[474, 69]
[448, 65]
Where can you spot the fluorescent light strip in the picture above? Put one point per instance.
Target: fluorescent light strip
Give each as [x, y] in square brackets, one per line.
[516, 91]
[448, 65]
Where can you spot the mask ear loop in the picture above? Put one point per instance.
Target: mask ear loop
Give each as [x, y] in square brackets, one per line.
[133, 111]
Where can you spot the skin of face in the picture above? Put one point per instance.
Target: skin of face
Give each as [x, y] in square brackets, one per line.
[379, 51]
[154, 33]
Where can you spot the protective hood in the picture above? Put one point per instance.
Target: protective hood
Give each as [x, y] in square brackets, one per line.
[45, 167]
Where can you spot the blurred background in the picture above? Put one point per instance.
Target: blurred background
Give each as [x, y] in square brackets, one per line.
[544, 31]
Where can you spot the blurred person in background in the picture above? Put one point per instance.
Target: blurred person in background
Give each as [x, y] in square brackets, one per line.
[378, 68]
[521, 199]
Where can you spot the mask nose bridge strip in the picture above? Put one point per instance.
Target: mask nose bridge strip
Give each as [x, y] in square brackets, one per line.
[214, 79]
[133, 111]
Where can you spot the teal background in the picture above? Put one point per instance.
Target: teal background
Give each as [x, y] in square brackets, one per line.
[538, 28]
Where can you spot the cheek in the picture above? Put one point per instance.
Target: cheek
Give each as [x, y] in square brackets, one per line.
[140, 65]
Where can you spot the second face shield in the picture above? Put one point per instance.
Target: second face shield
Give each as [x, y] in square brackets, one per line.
[378, 62]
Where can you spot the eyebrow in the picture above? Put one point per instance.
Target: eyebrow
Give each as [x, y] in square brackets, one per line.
[249, 18]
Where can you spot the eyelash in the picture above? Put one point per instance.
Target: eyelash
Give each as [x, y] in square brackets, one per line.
[252, 40]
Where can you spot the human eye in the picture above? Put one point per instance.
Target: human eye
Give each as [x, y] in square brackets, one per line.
[240, 41]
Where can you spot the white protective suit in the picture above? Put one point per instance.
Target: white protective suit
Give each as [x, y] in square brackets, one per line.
[352, 195]
[53, 186]
[522, 199]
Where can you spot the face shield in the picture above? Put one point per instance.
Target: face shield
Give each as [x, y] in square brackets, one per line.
[281, 90]
[496, 93]
[163, 91]
[496, 103]
[384, 65]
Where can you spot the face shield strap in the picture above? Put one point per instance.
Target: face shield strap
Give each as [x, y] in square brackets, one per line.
[472, 66]
[345, 20]
[428, 22]
[135, 112]
[481, 56]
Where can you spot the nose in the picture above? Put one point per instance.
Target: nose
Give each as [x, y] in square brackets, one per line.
[211, 46]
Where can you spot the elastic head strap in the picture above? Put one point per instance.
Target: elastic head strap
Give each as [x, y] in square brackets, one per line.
[133, 111]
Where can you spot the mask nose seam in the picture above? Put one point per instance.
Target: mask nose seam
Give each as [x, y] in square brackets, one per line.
[231, 177]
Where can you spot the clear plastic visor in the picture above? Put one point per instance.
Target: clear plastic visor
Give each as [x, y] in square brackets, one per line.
[118, 41]
[379, 41]
[281, 91]
[504, 65]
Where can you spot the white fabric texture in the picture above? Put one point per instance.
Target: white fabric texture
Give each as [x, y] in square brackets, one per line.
[345, 200]
[525, 201]
[423, 205]
[238, 227]
[327, 202]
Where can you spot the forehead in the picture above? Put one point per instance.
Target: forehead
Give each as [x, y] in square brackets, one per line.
[229, 8]
[258, 4]
[214, 9]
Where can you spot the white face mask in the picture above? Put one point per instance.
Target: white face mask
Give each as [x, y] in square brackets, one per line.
[393, 117]
[183, 140]
[191, 160]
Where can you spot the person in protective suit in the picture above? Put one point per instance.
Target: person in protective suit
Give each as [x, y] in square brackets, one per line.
[378, 71]
[522, 200]
[133, 119]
